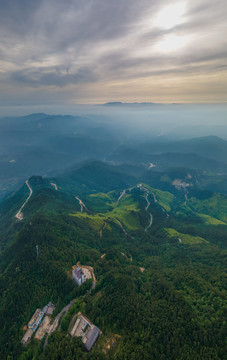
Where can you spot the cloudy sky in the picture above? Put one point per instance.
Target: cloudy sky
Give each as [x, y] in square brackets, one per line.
[93, 51]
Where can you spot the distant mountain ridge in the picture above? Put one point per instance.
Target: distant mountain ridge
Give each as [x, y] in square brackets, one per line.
[119, 103]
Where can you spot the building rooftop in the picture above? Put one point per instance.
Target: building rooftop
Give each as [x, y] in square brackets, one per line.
[78, 272]
[27, 336]
[91, 335]
[34, 317]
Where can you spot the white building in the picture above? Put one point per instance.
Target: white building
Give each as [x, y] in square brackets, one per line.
[78, 275]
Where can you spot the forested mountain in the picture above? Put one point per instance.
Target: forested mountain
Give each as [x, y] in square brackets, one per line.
[157, 243]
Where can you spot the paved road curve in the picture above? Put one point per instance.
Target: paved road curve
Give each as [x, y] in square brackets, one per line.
[56, 320]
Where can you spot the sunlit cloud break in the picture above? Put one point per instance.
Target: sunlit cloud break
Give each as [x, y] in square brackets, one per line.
[171, 15]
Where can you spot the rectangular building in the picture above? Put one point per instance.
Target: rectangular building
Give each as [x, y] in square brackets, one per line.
[36, 319]
[33, 318]
[91, 335]
[27, 336]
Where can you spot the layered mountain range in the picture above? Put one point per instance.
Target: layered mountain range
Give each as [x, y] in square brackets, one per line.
[149, 218]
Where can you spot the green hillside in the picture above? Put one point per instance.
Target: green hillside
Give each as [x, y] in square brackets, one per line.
[215, 205]
[185, 238]
[156, 297]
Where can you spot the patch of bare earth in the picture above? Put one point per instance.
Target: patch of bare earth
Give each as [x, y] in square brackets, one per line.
[98, 294]
[109, 342]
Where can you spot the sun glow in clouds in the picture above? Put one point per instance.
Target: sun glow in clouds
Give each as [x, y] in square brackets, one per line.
[171, 16]
[171, 43]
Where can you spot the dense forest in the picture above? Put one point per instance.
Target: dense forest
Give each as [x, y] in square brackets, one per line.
[160, 291]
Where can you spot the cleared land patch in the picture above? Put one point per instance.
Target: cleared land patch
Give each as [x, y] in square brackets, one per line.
[125, 212]
[209, 220]
[185, 238]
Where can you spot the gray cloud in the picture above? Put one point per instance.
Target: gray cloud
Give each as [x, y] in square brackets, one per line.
[52, 77]
[60, 44]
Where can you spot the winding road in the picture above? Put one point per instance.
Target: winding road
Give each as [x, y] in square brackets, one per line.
[100, 232]
[122, 227]
[64, 311]
[19, 215]
[121, 196]
[54, 185]
[154, 196]
[151, 216]
[56, 320]
[82, 206]
[142, 188]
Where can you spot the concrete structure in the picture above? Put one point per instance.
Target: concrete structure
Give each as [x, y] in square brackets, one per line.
[73, 331]
[44, 328]
[88, 332]
[91, 336]
[50, 309]
[27, 336]
[35, 321]
[78, 276]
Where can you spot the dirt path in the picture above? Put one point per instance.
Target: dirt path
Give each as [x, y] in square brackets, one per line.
[121, 196]
[122, 227]
[165, 212]
[150, 223]
[82, 206]
[19, 215]
[148, 202]
[142, 188]
[100, 232]
[186, 198]
[129, 258]
[54, 185]
[154, 196]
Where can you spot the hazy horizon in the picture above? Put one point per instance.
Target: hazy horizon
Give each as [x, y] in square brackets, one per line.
[173, 121]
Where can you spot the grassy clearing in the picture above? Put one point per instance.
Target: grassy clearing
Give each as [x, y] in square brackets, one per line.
[96, 221]
[164, 198]
[126, 212]
[101, 196]
[209, 220]
[185, 238]
[100, 202]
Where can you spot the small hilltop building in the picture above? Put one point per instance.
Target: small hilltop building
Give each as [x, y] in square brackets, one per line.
[78, 276]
